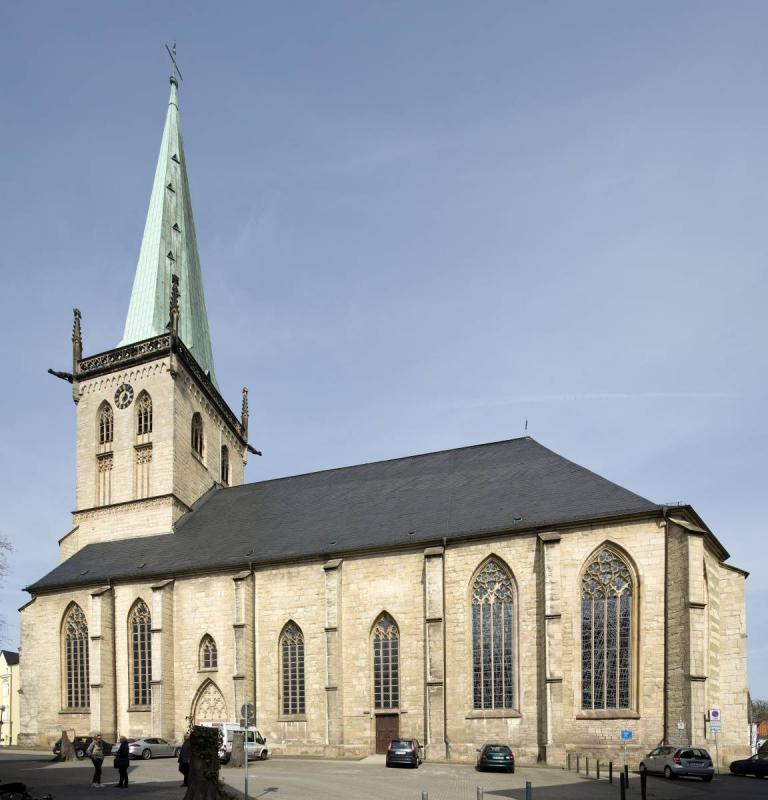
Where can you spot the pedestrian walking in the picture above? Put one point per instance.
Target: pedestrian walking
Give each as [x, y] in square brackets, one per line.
[185, 756]
[122, 760]
[95, 752]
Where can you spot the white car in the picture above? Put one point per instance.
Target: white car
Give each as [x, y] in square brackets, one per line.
[150, 747]
[256, 744]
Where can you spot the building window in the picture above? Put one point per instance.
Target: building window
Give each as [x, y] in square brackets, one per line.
[143, 416]
[225, 465]
[386, 663]
[140, 635]
[75, 633]
[209, 657]
[292, 669]
[493, 638]
[106, 423]
[606, 629]
[104, 478]
[197, 433]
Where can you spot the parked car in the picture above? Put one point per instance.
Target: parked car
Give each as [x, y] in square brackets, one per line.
[150, 747]
[673, 762]
[81, 745]
[255, 743]
[496, 756]
[405, 751]
[756, 765]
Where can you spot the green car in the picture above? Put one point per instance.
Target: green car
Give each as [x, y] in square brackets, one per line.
[496, 756]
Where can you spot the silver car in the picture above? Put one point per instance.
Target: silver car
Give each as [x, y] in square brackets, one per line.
[675, 761]
[151, 747]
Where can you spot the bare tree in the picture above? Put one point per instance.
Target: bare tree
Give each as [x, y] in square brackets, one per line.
[760, 710]
[5, 548]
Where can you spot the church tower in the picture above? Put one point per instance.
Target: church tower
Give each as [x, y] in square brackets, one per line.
[153, 432]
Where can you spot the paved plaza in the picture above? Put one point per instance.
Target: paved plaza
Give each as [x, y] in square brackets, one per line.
[304, 779]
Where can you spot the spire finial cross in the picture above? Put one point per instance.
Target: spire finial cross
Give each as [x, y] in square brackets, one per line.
[172, 53]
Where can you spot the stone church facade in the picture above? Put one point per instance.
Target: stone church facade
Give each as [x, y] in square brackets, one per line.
[495, 592]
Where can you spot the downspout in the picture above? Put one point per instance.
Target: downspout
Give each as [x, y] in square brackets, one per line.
[445, 659]
[114, 657]
[665, 703]
[253, 622]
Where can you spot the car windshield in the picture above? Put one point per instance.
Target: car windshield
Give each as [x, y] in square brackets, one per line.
[498, 749]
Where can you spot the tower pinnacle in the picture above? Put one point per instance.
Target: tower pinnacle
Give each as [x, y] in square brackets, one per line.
[168, 247]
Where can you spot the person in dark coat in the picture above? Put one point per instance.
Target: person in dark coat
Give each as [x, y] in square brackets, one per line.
[122, 760]
[185, 756]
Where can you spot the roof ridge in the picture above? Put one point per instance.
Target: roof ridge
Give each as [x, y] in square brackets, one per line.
[388, 461]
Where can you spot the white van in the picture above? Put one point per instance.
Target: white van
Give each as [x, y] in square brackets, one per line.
[255, 743]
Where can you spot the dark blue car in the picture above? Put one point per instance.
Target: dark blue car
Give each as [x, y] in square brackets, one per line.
[756, 765]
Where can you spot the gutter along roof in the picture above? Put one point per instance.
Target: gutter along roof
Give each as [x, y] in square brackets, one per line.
[515, 485]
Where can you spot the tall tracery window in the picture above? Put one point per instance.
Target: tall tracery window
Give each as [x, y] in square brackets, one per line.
[606, 630]
[493, 638]
[386, 663]
[143, 416]
[209, 655]
[197, 433]
[106, 423]
[292, 669]
[140, 633]
[225, 465]
[75, 633]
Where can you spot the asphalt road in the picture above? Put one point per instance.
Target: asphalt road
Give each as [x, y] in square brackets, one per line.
[304, 779]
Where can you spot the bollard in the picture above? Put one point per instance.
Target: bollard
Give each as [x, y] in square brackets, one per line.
[586, 764]
[479, 793]
[622, 792]
[643, 781]
[610, 772]
[598, 769]
[578, 758]
[425, 796]
[528, 791]
[568, 761]
[626, 776]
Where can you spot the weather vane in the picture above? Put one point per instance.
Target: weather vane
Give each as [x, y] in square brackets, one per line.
[172, 53]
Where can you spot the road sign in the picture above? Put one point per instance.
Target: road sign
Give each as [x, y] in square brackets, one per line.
[626, 734]
[681, 725]
[715, 720]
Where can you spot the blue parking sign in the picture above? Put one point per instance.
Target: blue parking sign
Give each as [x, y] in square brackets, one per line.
[625, 734]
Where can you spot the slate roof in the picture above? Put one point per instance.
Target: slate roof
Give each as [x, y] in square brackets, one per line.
[11, 658]
[471, 491]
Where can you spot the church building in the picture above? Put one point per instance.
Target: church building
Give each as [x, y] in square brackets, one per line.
[493, 592]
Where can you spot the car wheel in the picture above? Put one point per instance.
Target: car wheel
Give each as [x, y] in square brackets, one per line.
[736, 771]
[176, 752]
[263, 755]
[146, 754]
[642, 769]
[80, 754]
[668, 772]
[512, 770]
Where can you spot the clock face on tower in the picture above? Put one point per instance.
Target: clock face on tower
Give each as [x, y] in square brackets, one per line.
[124, 395]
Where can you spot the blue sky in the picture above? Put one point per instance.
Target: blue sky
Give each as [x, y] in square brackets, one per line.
[419, 225]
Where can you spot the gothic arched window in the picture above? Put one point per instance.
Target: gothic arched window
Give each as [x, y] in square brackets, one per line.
[197, 433]
[493, 637]
[143, 415]
[606, 632]
[106, 422]
[225, 465]
[386, 663]
[140, 636]
[292, 669]
[209, 656]
[77, 676]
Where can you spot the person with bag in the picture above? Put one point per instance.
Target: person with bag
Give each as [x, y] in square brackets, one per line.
[95, 752]
[122, 760]
[185, 756]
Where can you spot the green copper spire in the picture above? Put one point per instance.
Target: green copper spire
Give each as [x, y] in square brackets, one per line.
[169, 247]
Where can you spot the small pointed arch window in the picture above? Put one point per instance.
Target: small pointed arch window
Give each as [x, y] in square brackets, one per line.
[143, 415]
[225, 465]
[493, 637]
[197, 433]
[74, 632]
[140, 638]
[607, 589]
[106, 423]
[386, 663]
[292, 670]
[209, 655]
